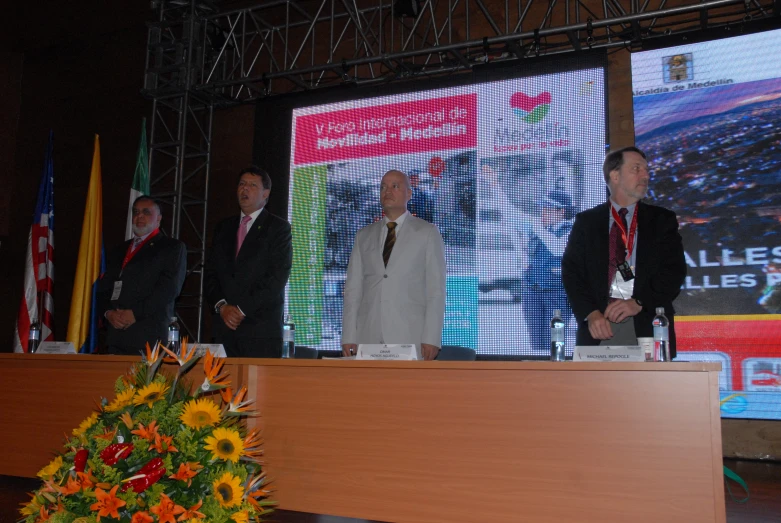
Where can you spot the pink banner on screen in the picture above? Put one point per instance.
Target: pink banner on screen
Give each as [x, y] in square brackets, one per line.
[436, 124]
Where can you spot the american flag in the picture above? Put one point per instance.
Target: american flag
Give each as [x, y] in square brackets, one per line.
[38, 299]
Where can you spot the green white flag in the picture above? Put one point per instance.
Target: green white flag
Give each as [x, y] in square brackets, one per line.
[140, 179]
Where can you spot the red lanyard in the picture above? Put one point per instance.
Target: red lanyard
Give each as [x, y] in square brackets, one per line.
[628, 242]
[132, 252]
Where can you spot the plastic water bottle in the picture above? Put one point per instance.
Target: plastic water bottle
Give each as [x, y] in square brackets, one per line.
[557, 337]
[35, 337]
[288, 338]
[173, 336]
[661, 335]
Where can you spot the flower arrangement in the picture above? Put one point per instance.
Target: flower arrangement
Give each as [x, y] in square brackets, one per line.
[159, 452]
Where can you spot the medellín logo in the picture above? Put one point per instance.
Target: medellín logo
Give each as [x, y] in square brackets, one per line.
[530, 109]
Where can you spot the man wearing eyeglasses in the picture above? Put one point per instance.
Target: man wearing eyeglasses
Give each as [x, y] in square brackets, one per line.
[624, 258]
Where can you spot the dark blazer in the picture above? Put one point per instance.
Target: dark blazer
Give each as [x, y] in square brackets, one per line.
[659, 274]
[255, 280]
[151, 281]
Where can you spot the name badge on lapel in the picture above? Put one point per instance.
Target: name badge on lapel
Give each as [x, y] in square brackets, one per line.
[117, 290]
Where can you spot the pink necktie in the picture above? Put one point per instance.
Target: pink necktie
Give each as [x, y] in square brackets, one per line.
[241, 233]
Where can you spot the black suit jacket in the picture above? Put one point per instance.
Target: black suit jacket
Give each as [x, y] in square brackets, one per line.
[659, 273]
[151, 281]
[255, 280]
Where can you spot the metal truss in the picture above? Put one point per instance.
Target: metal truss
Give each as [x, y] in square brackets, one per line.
[200, 58]
[180, 144]
[282, 46]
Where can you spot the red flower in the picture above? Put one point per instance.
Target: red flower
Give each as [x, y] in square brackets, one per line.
[80, 460]
[147, 476]
[113, 453]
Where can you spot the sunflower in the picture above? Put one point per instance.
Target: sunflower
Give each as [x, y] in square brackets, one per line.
[225, 444]
[228, 490]
[50, 469]
[150, 394]
[122, 400]
[200, 413]
[86, 424]
[241, 517]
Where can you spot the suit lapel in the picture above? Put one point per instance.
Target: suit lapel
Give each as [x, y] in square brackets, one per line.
[603, 247]
[374, 245]
[141, 253]
[643, 224]
[229, 241]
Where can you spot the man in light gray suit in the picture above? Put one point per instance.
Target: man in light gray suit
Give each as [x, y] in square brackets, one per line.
[395, 286]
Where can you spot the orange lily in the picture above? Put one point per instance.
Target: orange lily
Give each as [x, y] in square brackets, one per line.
[73, 486]
[187, 471]
[141, 517]
[192, 512]
[212, 368]
[127, 419]
[86, 479]
[166, 510]
[108, 435]
[43, 515]
[148, 433]
[107, 503]
[163, 444]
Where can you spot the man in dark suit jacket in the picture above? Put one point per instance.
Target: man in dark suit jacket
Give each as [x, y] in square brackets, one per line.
[246, 273]
[143, 277]
[655, 257]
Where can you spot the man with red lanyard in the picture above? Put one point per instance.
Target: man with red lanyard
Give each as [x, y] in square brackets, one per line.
[143, 277]
[624, 258]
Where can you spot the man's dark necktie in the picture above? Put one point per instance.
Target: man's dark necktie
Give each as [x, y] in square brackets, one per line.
[617, 247]
[390, 240]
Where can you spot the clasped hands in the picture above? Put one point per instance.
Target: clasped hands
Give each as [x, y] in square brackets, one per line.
[616, 312]
[120, 319]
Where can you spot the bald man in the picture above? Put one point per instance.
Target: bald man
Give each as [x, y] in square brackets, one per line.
[395, 286]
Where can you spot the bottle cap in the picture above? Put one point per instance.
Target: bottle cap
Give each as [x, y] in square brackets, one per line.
[660, 310]
[557, 312]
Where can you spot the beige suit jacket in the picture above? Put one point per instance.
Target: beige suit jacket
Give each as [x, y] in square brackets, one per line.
[403, 302]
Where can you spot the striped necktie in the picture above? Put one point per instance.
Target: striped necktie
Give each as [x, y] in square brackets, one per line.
[390, 241]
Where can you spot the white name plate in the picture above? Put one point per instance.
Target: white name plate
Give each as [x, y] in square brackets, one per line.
[608, 353]
[215, 348]
[56, 347]
[379, 351]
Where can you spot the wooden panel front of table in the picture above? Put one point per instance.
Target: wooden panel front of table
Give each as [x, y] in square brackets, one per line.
[493, 442]
[44, 397]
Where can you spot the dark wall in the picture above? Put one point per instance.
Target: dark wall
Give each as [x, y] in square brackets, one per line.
[85, 80]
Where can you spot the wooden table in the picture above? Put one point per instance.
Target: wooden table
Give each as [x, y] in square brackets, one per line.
[482, 441]
[437, 441]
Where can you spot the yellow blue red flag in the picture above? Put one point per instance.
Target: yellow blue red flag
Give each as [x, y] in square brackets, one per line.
[83, 322]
